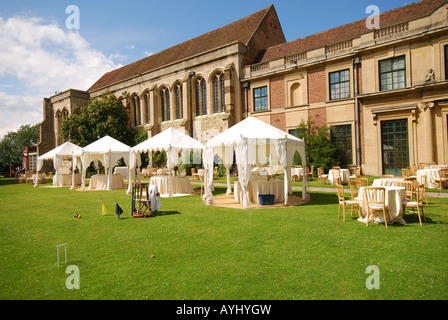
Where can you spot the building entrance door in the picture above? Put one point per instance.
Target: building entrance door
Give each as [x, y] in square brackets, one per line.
[395, 146]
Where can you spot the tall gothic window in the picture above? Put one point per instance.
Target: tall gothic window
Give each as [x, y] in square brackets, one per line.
[137, 111]
[165, 103]
[147, 107]
[178, 92]
[218, 93]
[201, 97]
[61, 116]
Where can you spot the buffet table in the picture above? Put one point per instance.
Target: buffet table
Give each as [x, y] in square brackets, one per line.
[260, 185]
[180, 184]
[99, 182]
[394, 205]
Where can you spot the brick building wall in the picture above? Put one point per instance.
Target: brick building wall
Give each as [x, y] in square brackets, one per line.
[316, 85]
[277, 97]
[277, 92]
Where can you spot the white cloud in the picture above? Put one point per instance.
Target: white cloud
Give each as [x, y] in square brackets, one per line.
[19, 110]
[148, 53]
[42, 58]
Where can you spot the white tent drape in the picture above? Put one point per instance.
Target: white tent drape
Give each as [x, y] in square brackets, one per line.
[107, 150]
[66, 149]
[253, 140]
[173, 142]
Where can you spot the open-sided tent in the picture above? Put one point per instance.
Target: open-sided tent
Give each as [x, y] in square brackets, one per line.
[56, 155]
[107, 150]
[253, 141]
[172, 141]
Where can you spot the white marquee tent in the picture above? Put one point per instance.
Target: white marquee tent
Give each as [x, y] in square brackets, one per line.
[57, 155]
[107, 150]
[253, 141]
[173, 142]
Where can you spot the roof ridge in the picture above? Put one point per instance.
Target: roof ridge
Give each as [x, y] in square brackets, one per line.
[182, 45]
[415, 6]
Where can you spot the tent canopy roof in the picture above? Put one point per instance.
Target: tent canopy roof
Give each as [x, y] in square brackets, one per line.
[170, 138]
[66, 149]
[104, 145]
[252, 128]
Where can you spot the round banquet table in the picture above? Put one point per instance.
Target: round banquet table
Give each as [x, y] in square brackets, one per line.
[99, 182]
[386, 182]
[345, 175]
[260, 185]
[394, 205]
[439, 166]
[181, 184]
[430, 174]
[65, 180]
[297, 172]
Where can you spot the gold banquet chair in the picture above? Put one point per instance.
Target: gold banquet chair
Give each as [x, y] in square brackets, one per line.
[336, 176]
[321, 176]
[418, 203]
[423, 179]
[343, 202]
[376, 197]
[441, 179]
[354, 191]
[364, 181]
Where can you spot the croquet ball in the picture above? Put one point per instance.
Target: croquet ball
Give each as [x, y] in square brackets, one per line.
[75, 215]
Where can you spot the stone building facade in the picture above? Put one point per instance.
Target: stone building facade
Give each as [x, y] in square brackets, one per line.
[384, 91]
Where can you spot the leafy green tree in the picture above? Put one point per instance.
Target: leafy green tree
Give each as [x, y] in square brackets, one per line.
[13, 142]
[320, 150]
[102, 116]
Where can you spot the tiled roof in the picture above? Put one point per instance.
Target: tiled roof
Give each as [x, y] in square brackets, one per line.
[351, 30]
[240, 30]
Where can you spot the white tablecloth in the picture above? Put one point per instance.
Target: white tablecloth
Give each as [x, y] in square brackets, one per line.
[154, 196]
[439, 166]
[121, 170]
[296, 171]
[345, 174]
[386, 182]
[65, 180]
[431, 174]
[260, 185]
[394, 202]
[99, 182]
[181, 185]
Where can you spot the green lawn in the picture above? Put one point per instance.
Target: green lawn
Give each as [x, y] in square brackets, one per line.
[204, 252]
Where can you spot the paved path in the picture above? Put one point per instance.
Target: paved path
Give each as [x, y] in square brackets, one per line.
[320, 189]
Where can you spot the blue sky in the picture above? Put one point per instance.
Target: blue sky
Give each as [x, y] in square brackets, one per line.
[39, 55]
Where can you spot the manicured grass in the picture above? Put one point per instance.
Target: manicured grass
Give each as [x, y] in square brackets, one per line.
[203, 252]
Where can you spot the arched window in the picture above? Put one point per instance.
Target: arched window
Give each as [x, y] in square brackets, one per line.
[137, 111]
[178, 92]
[165, 103]
[218, 93]
[61, 116]
[201, 97]
[146, 107]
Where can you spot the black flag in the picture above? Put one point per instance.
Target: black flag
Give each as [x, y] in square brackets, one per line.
[118, 210]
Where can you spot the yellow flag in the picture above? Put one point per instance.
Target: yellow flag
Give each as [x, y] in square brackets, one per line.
[104, 209]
